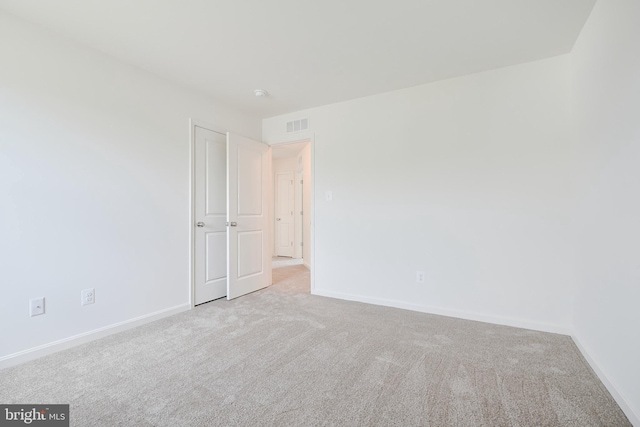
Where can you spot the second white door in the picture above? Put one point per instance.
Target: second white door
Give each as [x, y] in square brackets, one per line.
[284, 226]
[248, 191]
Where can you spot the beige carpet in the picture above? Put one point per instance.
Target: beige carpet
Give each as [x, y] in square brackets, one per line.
[281, 261]
[282, 357]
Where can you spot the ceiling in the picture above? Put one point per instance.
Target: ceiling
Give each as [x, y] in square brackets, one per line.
[310, 53]
[287, 151]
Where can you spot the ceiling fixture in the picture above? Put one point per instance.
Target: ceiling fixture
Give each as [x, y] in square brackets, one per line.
[260, 93]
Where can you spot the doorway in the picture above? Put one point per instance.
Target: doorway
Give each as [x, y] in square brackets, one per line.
[292, 205]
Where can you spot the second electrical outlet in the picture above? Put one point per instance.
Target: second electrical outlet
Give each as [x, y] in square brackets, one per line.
[88, 296]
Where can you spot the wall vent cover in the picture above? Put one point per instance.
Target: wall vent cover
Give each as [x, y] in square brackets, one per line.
[297, 125]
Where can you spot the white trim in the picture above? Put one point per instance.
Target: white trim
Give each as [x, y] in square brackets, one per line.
[192, 210]
[460, 314]
[270, 213]
[85, 337]
[617, 396]
[192, 201]
[298, 220]
[312, 250]
[291, 138]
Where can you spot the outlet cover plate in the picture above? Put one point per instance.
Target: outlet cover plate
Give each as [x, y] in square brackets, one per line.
[88, 296]
[36, 306]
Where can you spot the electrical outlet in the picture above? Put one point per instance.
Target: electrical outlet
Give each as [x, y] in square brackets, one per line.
[36, 306]
[420, 276]
[88, 296]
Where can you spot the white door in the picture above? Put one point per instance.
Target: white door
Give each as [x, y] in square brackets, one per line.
[210, 215]
[249, 169]
[284, 224]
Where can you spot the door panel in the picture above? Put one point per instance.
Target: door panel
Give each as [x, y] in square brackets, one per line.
[249, 182]
[249, 166]
[210, 264]
[216, 244]
[283, 237]
[250, 253]
[216, 176]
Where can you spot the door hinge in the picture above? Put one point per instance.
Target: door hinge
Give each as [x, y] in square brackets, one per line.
[291, 243]
[301, 213]
[301, 243]
[300, 181]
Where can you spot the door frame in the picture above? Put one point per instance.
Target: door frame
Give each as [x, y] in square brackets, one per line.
[298, 219]
[309, 137]
[193, 123]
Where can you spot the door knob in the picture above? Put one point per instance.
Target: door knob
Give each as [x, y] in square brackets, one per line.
[232, 224]
[277, 219]
[200, 224]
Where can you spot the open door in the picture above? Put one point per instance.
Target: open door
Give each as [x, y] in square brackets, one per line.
[248, 191]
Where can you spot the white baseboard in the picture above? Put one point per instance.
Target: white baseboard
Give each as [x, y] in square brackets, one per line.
[479, 317]
[634, 418]
[65, 343]
[306, 264]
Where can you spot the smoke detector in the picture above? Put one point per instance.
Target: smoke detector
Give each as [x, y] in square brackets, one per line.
[260, 93]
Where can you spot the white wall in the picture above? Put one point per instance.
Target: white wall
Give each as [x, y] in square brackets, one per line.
[94, 187]
[606, 95]
[467, 179]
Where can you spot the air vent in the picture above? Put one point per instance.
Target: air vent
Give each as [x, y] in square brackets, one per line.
[297, 125]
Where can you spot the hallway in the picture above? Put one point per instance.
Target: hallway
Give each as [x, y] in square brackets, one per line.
[295, 278]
